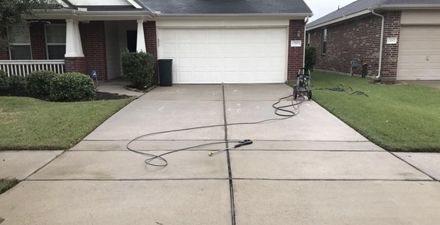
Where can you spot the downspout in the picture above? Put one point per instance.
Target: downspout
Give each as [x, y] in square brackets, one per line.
[305, 41]
[379, 72]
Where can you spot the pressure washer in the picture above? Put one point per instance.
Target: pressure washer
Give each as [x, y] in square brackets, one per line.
[303, 87]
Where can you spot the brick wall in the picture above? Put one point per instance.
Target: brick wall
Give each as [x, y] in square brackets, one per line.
[358, 38]
[390, 52]
[296, 54]
[93, 43]
[38, 41]
[150, 37]
[76, 64]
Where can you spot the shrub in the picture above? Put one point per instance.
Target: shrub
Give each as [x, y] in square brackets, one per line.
[17, 86]
[4, 82]
[139, 68]
[38, 84]
[14, 85]
[310, 60]
[72, 87]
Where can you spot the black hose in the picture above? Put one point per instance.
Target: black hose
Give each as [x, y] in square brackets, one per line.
[343, 89]
[282, 111]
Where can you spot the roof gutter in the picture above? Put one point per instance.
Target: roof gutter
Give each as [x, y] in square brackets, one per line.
[379, 72]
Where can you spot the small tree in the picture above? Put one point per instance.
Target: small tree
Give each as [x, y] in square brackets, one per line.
[14, 12]
[310, 58]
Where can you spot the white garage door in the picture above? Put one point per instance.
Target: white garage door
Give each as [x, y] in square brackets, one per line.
[419, 53]
[225, 55]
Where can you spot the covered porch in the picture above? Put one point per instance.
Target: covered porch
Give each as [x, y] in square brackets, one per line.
[83, 44]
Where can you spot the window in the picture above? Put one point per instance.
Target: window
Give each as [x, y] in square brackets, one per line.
[19, 42]
[324, 42]
[56, 41]
[308, 39]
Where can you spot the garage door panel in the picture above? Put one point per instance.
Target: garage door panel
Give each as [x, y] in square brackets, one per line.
[415, 59]
[419, 53]
[225, 55]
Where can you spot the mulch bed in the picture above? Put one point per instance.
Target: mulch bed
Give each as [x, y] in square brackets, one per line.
[109, 96]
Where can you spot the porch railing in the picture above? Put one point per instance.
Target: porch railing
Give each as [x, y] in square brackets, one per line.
[25, 67]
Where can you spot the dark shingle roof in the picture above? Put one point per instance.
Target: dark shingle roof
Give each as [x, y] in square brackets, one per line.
[182, 7]
[361, 5]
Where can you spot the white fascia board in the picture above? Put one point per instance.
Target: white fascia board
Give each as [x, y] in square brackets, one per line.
[62, 3]
[221, 22]
[135, 4]
[411, 6]
[340, 19]
[291, 15]
[91, 15]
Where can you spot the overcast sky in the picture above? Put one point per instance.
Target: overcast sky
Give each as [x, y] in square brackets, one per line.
[323, 7]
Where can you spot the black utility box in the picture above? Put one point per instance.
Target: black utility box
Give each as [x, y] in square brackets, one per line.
[165, 72]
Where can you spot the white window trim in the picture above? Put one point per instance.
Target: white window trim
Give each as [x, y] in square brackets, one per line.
[51, 44]
[324, 40]
[309, 38]
[19, 43]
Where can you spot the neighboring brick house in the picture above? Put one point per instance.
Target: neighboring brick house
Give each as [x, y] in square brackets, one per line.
[209, 41]
[410, 40]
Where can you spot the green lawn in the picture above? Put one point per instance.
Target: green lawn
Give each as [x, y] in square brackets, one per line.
[396, 117]
[6, 184]
[28, 123]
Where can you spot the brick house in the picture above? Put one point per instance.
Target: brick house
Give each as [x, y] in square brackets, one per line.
[231, 41]
[397, 39]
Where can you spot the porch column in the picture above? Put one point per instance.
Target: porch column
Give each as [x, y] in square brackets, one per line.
[73, 39]
[140, 41]
[74, 57]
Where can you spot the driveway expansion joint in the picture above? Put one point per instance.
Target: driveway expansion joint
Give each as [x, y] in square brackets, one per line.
[228, 157]
[45, 165]
[413, 166]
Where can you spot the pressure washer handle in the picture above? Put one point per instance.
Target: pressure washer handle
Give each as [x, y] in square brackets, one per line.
[243, 143]
[240, 144]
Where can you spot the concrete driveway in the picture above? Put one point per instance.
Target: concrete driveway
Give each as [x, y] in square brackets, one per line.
[311, 169]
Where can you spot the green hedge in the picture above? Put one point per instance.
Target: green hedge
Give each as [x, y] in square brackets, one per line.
[47, 85]
[38, 84]
[4, 82]
[15, 85]
[72, 87]
[139, 68]
[18, 86]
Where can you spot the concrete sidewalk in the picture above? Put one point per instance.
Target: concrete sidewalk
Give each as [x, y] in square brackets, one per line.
[311, 169]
